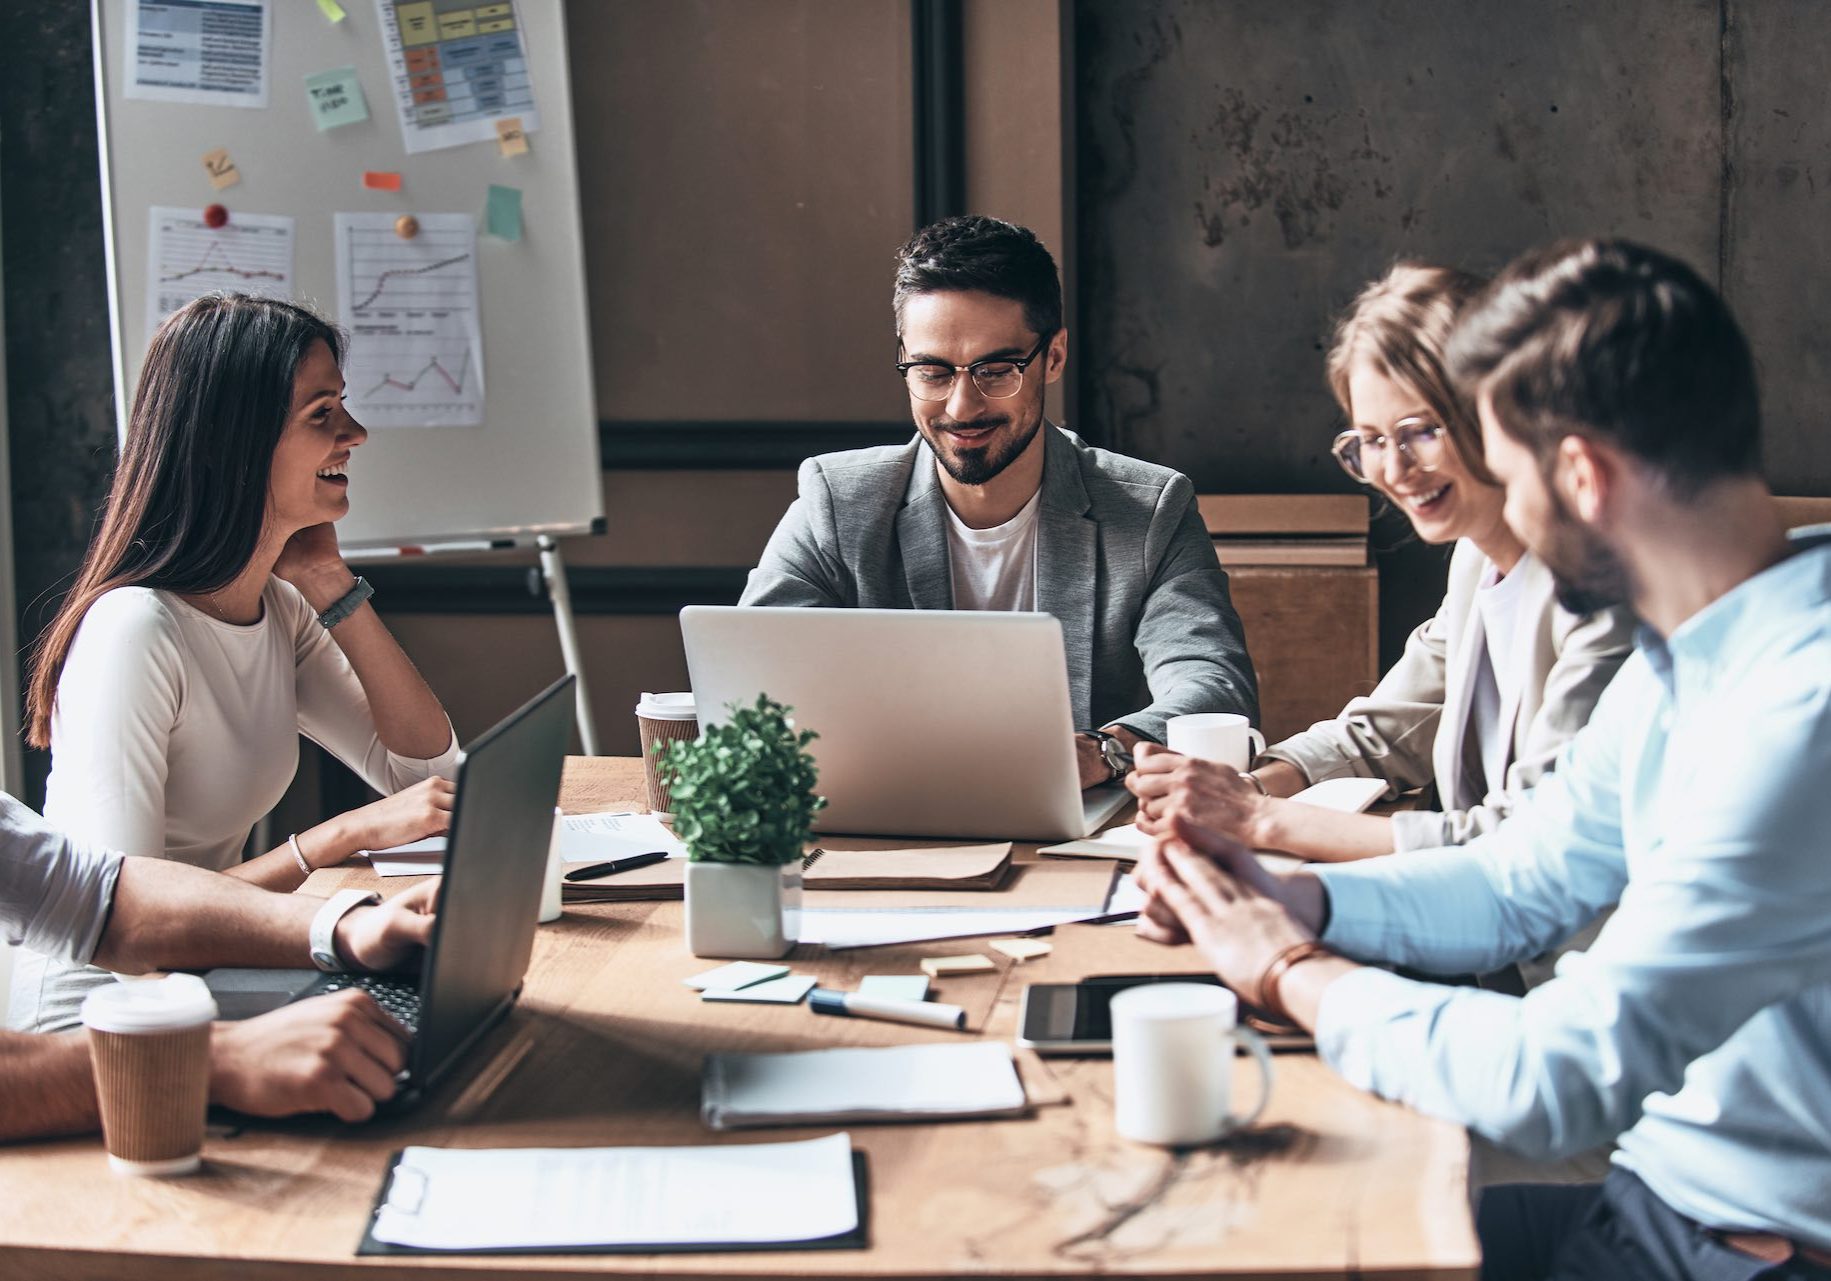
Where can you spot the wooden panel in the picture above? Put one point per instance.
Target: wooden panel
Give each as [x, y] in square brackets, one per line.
[1314, 639]
[1236, 514]
[605, 1048]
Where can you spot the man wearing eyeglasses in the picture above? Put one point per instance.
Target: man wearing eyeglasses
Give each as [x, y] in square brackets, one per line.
[992, 508]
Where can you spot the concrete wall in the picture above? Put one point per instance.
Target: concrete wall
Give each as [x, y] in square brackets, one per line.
[1244, 168]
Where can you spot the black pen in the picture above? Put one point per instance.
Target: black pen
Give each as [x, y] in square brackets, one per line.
[616, 865]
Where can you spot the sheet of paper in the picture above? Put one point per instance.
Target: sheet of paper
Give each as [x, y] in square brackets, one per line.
[480, 1199]
[381, 180]
[332, 10]
[213, 52]
[728, 978]
[457, 69]
[251, 252]
[1124, 841]
[410, 308]
[502, 214]
[874, 927]
[415, 858]
[952, 1078]
[598, 838]
[336, 98]
[787, 990]
[1349, 795]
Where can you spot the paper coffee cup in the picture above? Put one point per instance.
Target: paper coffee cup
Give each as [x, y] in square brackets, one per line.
[663, 718]
[149, 1043]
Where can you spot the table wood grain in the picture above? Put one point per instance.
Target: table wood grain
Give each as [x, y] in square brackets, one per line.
[605, 1048]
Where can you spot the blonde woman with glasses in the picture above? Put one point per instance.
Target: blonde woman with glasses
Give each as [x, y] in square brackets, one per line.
[1488, 689]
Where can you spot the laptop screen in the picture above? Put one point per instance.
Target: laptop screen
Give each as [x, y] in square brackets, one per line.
[495, 863]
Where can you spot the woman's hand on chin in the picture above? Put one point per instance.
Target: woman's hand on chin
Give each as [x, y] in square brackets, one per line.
[312, 562]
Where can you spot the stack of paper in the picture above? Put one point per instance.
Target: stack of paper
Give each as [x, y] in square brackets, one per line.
[537, 1200]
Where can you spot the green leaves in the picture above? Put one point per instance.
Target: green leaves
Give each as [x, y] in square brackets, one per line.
[744, 791]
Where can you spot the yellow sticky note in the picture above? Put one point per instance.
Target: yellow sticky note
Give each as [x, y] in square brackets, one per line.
[1021, 950]
[332, 10]
[509, 137]
[221, 168]
[936, 966]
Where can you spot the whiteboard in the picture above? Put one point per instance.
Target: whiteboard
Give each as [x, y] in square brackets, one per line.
[533, 466]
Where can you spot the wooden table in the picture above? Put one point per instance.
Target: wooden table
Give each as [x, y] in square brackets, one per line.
[605, 1048]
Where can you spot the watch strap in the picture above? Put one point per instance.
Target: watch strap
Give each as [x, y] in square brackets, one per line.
[323, 934]
[346, 604]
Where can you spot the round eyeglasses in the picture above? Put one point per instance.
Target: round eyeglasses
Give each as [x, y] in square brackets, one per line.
[996, 377]
[1362, 454]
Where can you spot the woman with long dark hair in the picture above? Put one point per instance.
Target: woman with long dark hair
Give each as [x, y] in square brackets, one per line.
[214, 621]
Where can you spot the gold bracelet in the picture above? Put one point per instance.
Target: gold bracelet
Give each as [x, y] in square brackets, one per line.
[1296, 954]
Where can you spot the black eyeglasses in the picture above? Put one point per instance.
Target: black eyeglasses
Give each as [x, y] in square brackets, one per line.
[996, 377]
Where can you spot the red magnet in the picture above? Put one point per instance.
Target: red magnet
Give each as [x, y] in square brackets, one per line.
[215, 216]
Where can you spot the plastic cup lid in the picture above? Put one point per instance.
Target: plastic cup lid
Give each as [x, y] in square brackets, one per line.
[149, 1005]
[667, 707]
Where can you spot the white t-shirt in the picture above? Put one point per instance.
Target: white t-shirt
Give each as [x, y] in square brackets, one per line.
[994, 568]
[1497, 675]
[175, 731]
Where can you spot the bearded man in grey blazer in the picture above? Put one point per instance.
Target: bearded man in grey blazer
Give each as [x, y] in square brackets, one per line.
[991, 507]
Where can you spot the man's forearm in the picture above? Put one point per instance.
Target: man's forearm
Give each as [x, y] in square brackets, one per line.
[171, 916]
[46, 1086]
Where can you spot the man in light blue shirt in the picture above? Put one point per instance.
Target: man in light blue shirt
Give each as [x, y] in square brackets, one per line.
[1618, 404]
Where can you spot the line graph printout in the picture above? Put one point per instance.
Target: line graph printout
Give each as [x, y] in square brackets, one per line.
[457, 67]
[252, 254]
[410, 308]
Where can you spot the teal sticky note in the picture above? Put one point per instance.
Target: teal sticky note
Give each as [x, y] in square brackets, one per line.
[336, 98]
[503, 218]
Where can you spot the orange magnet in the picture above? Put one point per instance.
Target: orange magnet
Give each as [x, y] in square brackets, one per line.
[406, 226]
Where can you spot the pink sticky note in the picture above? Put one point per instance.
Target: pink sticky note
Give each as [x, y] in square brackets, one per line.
[376, 181]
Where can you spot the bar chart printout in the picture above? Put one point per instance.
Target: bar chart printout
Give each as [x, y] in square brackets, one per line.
[250, 254]
[410, 308]
[458, 66]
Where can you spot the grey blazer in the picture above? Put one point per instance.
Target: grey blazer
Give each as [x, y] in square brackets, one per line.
[1414, 729]
[1123, 561]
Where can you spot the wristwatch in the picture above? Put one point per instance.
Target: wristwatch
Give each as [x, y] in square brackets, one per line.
[1112, 751]
[346, 604]
[324, 926]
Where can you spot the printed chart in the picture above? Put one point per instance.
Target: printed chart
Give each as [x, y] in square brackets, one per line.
[458, 67]
[203, 51]
[251, 254]
[410, 308]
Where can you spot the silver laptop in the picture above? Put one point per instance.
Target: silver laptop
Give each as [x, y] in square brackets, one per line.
[947, 723]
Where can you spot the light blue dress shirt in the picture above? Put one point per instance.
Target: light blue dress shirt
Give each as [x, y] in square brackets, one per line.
[1697, 1027]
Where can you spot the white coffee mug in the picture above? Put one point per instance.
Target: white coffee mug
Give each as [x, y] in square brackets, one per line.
[1226, 738]
[1173, 1052]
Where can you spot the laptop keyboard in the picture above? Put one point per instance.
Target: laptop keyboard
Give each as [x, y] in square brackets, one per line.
[399, 997]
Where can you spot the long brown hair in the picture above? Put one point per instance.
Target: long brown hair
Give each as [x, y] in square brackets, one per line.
[189, 497]
[1400, 324]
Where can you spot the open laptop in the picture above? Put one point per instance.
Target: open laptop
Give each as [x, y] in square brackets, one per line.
[489, 901]
[949, 723]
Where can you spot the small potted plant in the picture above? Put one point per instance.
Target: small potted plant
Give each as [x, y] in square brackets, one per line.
[744, 804]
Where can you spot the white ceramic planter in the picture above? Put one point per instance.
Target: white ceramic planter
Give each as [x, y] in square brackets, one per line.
[742, 910]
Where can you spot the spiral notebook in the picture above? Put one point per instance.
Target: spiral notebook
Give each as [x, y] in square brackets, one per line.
[953, 867]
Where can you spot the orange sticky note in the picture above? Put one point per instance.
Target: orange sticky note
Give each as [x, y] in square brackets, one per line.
[378, 181]
[221, 168]
[509, 137]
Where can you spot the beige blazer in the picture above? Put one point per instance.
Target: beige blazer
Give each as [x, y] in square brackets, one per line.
[1414, 729]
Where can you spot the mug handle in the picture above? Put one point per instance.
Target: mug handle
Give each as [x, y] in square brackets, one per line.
[1257, 739]
[1263, 1056]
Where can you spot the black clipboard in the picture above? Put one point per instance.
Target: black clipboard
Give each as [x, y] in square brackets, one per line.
[857, 1239]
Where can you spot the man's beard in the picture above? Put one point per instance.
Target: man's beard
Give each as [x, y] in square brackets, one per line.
[980, 465]
[1586, 576]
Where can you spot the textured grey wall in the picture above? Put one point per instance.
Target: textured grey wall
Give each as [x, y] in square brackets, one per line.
[60, 390]
[1245, 167]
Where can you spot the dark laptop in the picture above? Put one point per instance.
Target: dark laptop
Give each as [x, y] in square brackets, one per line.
[495, 863]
